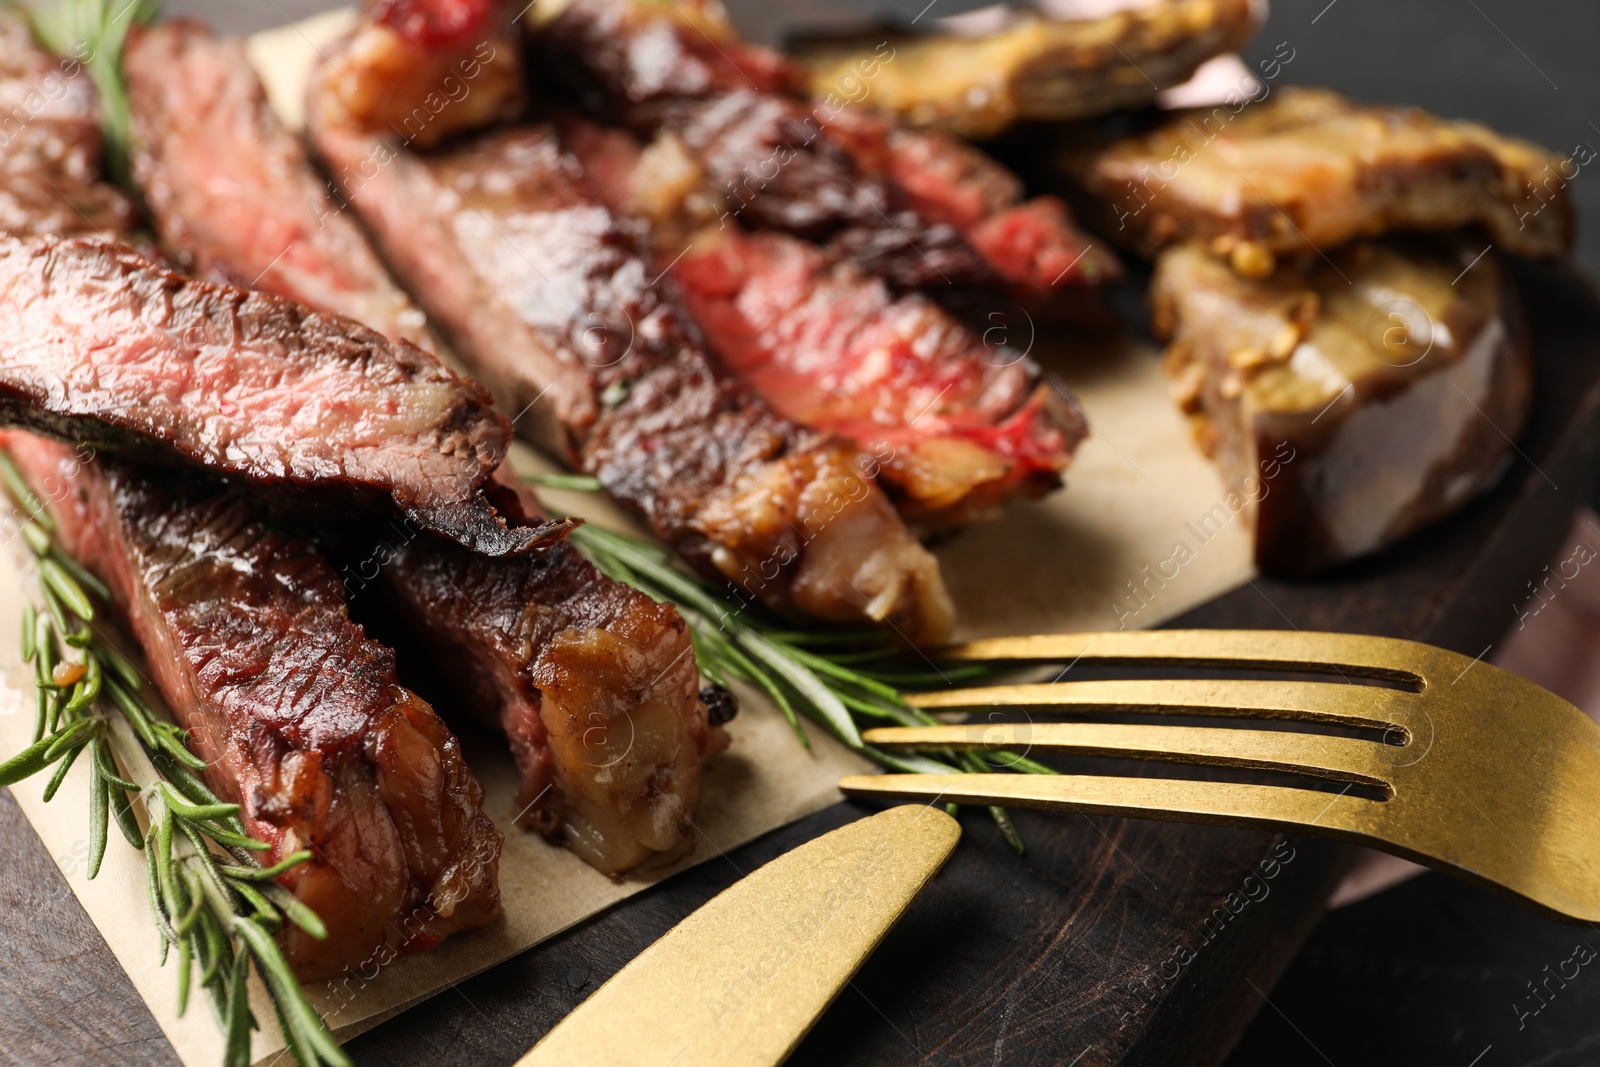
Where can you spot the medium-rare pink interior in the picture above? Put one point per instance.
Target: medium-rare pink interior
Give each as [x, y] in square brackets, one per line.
[955, 425]
[231, 191]
[106, 346]
[542, 293]
[594, 683]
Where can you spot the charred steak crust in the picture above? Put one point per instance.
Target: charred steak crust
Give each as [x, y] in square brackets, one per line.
[734, 108]
[199, 114]
[50, 142]
[536, 286]
[299, 717]
[108, 347]
[593, 682]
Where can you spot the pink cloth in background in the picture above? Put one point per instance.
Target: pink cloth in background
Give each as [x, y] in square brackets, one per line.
[1553, 640]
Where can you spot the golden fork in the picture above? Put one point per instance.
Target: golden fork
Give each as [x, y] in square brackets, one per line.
[1468, 768]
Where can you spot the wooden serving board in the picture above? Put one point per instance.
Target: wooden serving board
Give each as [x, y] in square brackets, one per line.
[1112, 941]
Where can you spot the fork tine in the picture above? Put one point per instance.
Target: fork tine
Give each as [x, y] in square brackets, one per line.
[1341, 759]
[1330, 702]
[1220, 803]
[1323, 653]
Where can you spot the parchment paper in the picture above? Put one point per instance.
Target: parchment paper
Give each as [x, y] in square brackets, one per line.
[1103, 553]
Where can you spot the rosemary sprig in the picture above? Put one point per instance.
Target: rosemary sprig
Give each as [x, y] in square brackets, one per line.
[212, 901]
[93, 32]
[842, 680]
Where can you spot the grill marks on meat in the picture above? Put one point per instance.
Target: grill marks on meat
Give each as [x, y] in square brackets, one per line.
[299, 717]
[50, 142]
[594, 683]
[109, 348]
[231, 190]
[915, 207]
[1308, 169]
[538, 289]
[954, 426]
[762, 154]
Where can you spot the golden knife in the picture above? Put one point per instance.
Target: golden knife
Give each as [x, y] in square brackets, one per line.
[740, 982]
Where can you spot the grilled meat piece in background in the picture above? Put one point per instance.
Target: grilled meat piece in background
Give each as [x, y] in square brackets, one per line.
[1348, 401]
[299, 717]
[1307, 169]
[540, 291]
[108, 347]
[980, 73]
[767, 156]
[50, 142]
[593, 682]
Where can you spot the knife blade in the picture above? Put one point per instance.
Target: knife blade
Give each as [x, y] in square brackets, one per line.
[743, 978]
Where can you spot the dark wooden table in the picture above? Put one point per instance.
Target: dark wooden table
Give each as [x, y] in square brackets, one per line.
[1078, 953]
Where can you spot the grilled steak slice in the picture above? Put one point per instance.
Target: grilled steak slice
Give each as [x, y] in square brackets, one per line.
[539, 291]
[50, 142]
[107, 347]
[298, 716]
[593, 682]
[1348, 403]
[1308, 169]
[978, 74]
[231, 191]
[956, 426]
[764, 154]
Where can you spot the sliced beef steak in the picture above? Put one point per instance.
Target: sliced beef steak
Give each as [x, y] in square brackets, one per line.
[50, 142]
[104, 346]
[541, 292]
[955, 426]
[231, 191]
[298, 716]
[593, 682]
[828, 170]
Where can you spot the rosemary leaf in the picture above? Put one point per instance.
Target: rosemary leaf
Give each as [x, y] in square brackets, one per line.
[179, 806]
[18, 489]
[122, 812]
[66, 587]
[265, 874]
[29, 621]
[296, 912]
[27, 763]
[237, 1015]
[108, 770]
[185, 955]
[61, 771]
[580, 482]
[99, 811]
